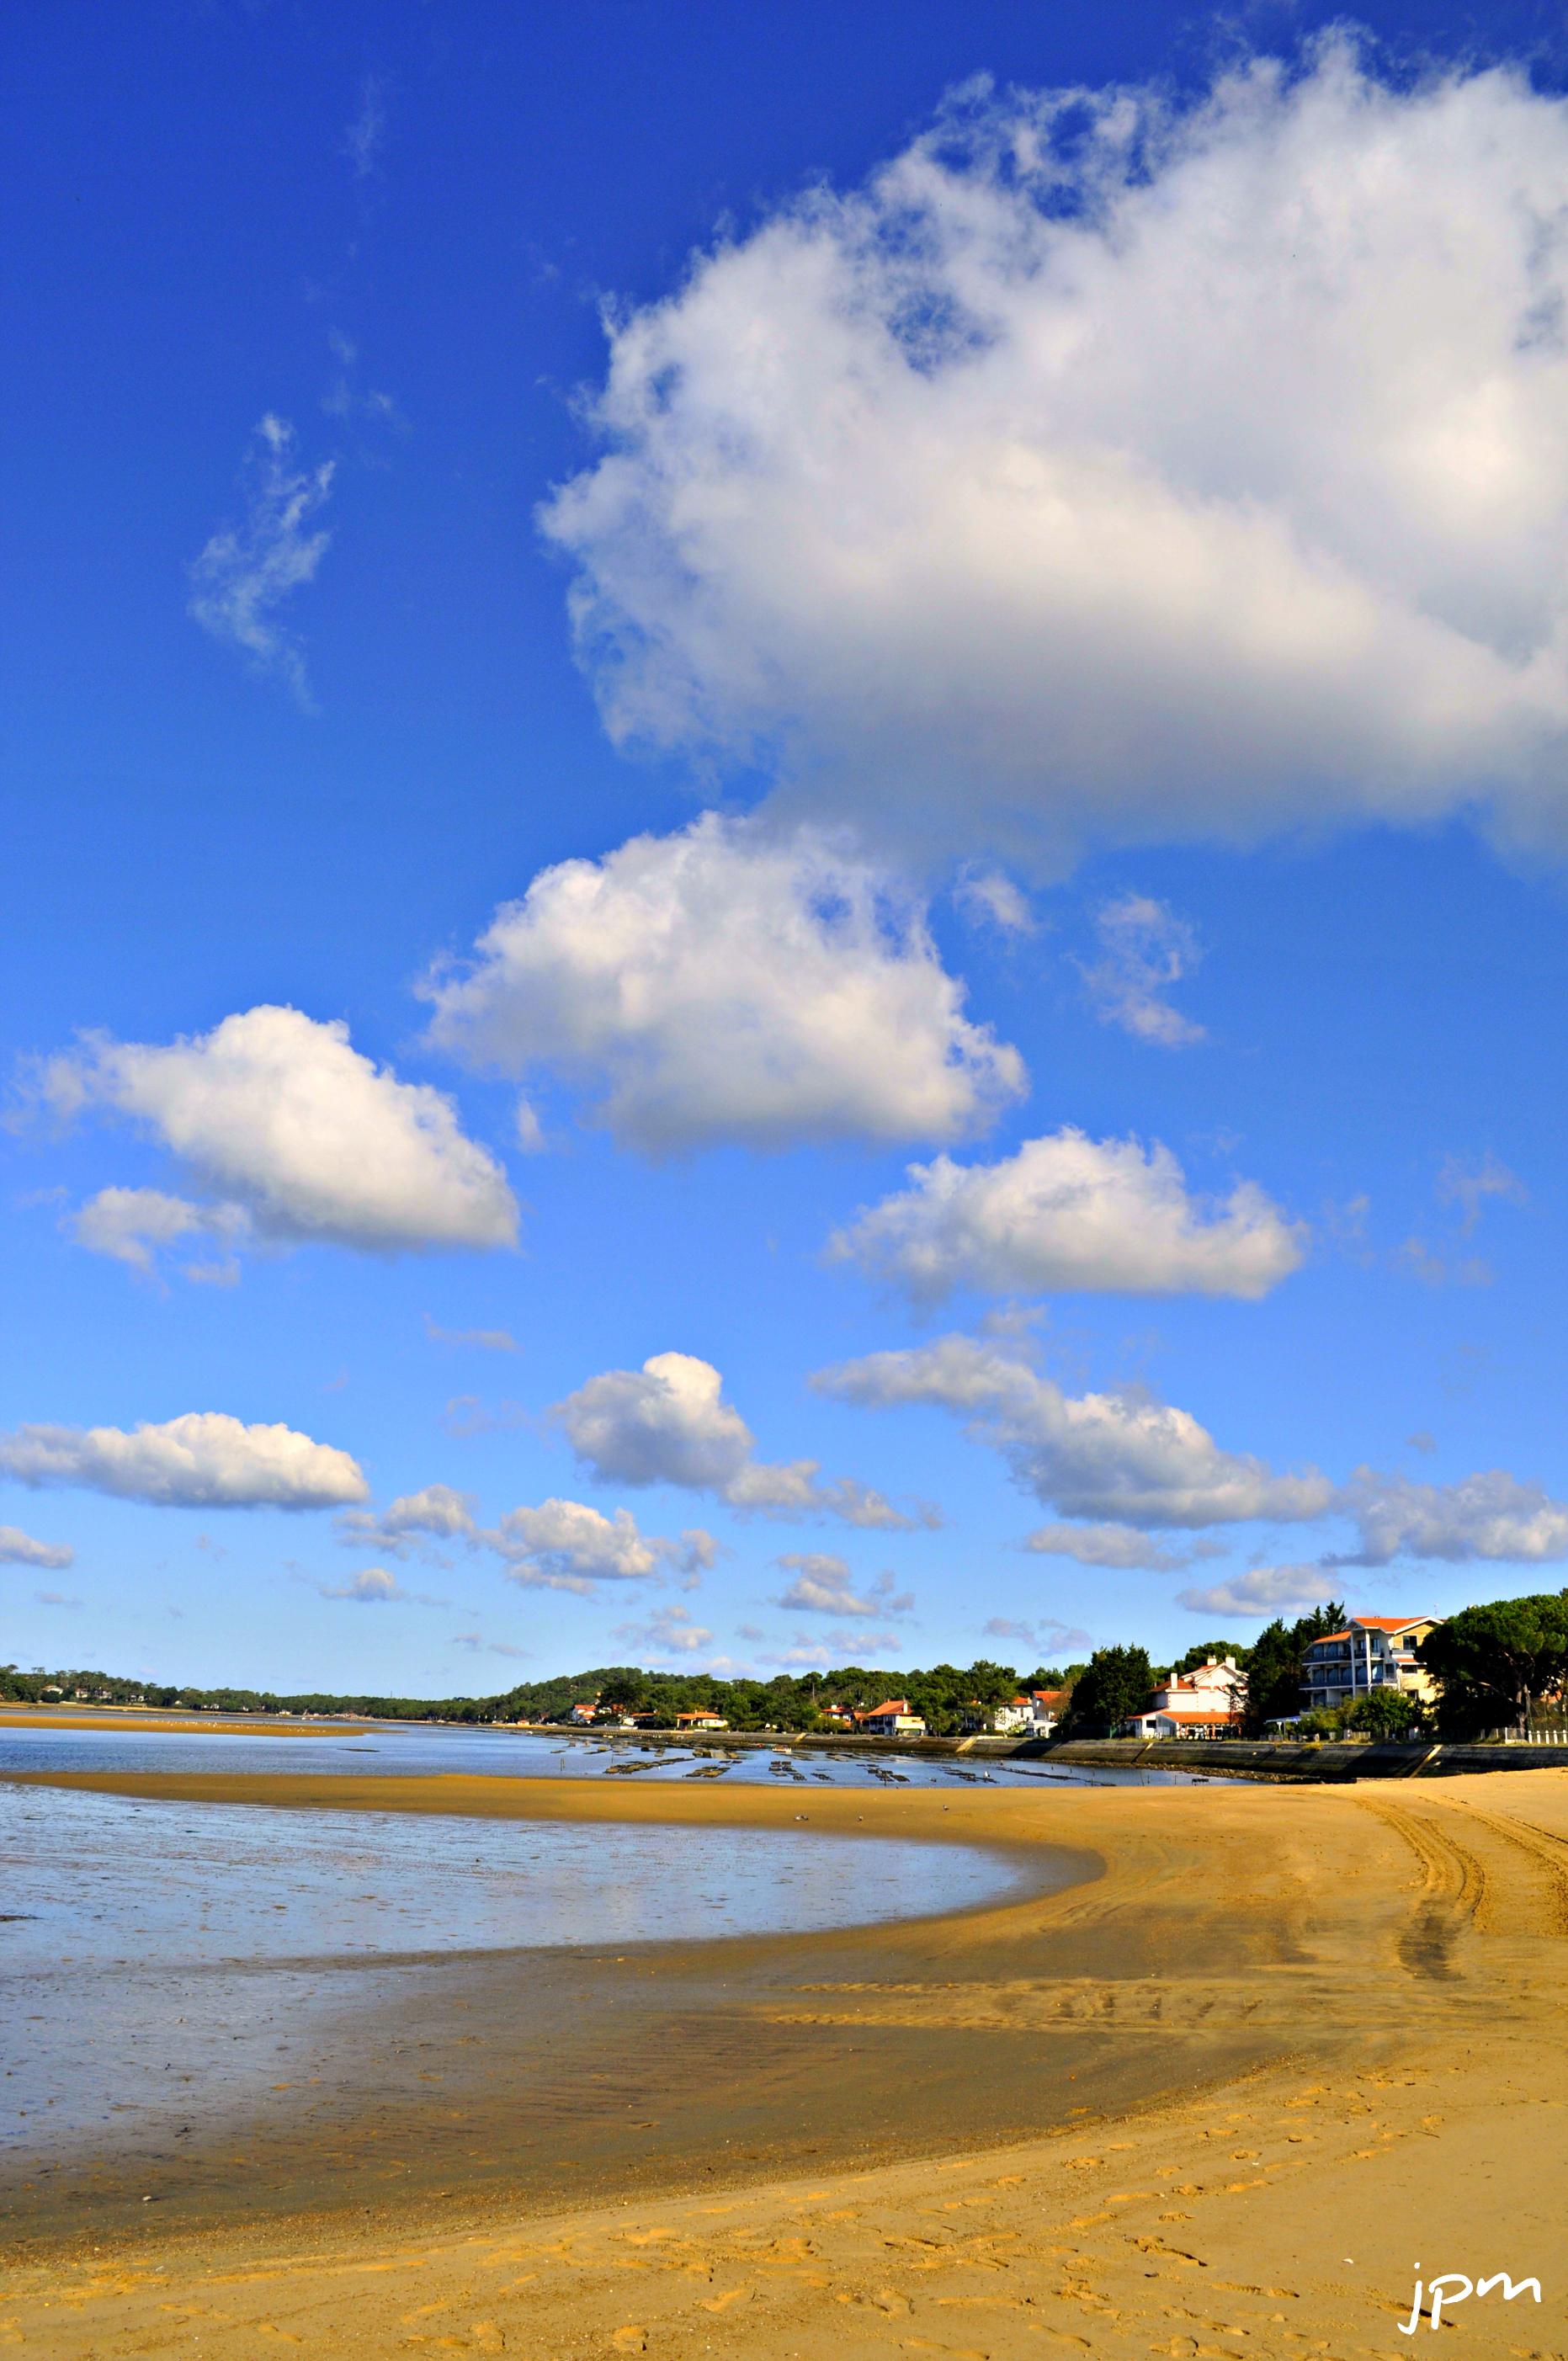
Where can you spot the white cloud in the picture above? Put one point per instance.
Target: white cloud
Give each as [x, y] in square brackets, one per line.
[478, 1645]
[1143, 949]
[1469, 1185]
[722, 985]
[1111, 465]
[1049, 1637]
[204, 1459]
[436, 1513]
[670, 1632]
[1268, 1590]
[988, 898]
[17, 1548]
[566, 1545]
[1113, 1545]
[362, 140]
[480, 1340]
[131, 1224]
[374, 1586]
[1067, 1212]
[824, 1585]
[852, 1647]
[1122, 1458]
[668, 1423]
[1487, 1516]
[467, 1415]
[301, 1136]
[246, 572]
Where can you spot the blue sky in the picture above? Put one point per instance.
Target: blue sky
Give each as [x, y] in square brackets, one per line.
[1014, 631]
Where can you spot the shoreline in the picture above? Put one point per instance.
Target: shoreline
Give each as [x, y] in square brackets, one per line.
[1363, 1992]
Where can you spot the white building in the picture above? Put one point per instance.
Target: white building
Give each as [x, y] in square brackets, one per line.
[1046, 1707]
[893, 1719]
[1373, 1651]
[999, 1720]
[1206, 1702]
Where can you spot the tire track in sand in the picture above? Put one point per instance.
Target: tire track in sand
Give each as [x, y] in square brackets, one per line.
[1453, 1889]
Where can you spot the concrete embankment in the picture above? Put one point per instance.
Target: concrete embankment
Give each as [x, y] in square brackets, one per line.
[1283, 1759]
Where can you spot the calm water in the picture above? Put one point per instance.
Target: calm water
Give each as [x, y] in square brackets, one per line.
[162, 1963]
[400, 1750]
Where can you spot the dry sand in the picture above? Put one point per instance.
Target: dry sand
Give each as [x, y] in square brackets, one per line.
[1315, 2037]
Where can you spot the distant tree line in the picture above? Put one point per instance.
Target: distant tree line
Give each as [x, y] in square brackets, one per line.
[1495, 1665]
[789, 1701]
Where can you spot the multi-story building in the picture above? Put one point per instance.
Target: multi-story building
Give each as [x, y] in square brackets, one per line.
[1373, 1651]
[893, 1719]
[998, 1719]
[1206, 1702]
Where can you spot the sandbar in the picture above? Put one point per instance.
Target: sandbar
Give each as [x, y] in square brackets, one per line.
[1269, 2053]
[114, 1718]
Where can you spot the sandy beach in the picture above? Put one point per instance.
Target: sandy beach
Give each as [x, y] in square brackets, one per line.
[1270, 2053]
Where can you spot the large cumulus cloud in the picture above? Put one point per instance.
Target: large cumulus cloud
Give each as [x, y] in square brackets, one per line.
[1104, 465]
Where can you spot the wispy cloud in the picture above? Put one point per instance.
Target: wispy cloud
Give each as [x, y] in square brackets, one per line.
[824, 1585]
[1267, 1591]
[1144, 947]
[1047, 1636]
[247, 571]
[466, 1415]
[483, 1340]
[17, 1548]
[1469, 1185]
[478, 1645]
[353, 403]
[670, 1632]
[362, 141]
[374, 1587]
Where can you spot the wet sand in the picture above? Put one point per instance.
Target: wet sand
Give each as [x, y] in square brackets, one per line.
[203, 1725]
[1274, 2049]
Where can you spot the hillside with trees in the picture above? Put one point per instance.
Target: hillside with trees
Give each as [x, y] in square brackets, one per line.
[1494, 1664]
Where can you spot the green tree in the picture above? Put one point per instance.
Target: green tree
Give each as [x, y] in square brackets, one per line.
[1112, 1687]
[1386, 1713]
[1494, 1662]
[1274, 1666]
[1219, 1648]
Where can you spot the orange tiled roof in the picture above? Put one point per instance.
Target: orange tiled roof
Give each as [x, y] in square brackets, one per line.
[1371, 1623]
[1187, 1713]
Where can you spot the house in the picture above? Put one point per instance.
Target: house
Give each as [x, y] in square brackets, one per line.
[893, 1719]
[1184, 1721]
[701, 1720]
[999, 1719]
[1208, 1701]
[1217, 1683]
[1046, 1707]
[836, 1716]
[586, 1710]
[1372, 1652]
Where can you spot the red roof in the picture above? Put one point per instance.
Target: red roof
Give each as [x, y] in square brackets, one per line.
[895, 1704]
[1373, 1623]
[1185, 1713]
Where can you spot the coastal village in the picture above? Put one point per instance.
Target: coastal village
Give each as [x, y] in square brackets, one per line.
[1369, 1656]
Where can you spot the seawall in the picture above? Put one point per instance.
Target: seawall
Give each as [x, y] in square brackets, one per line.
[1289, 1759]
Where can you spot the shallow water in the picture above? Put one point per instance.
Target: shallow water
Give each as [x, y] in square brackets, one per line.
[165, 1960]
[397, 1749]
